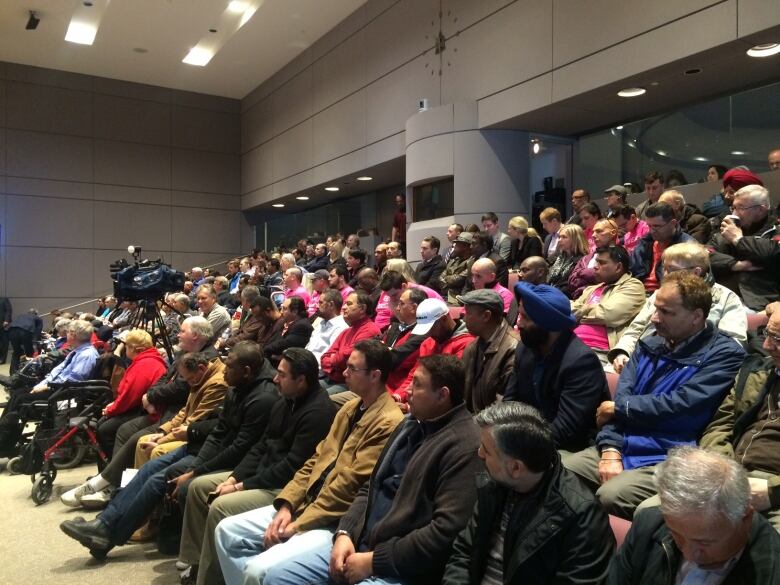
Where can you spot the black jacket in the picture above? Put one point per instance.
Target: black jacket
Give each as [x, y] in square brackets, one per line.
[294, 430]
[428, 273]
[412, 540]
[649, 555]
[572, 387]
[757, 289]
[315, 264]
[642, 256]
[297, 335]
[531, 247]
[6, 311]
[564, 537]
[244, 418]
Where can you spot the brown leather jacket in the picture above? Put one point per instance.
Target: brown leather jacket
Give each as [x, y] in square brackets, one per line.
[485, 382]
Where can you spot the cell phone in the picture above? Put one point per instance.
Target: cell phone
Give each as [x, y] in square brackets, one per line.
[210, 497]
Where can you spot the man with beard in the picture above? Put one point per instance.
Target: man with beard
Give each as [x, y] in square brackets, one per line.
[554, 370]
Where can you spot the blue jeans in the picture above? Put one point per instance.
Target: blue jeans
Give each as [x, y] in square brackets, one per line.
[131, 506]
[311, 568]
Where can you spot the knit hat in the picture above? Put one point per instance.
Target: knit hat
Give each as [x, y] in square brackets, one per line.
[738, 178]
[428, 312]
[546, 306]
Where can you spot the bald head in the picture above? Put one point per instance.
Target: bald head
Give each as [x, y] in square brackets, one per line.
[533, 270]
[673, 198]
[773, 159]
[483, 273]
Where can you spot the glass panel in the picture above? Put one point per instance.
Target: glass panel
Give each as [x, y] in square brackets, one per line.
[433, 200]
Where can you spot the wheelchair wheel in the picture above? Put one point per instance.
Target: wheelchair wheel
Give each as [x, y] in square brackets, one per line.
[71, 454]
[14, 465]
[42, 488]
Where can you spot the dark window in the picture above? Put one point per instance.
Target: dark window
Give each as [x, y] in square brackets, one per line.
[434, 200]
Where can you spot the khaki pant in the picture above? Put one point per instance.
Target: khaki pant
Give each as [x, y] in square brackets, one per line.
[342, 398]
[200, 521]
[142, 455]
[621, 495]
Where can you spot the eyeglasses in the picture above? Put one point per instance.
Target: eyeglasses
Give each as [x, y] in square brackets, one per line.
[352, 369]
[741, 208]
[775, 339]
[657, 228]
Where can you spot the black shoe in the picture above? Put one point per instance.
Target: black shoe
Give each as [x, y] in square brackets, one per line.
[93, 534]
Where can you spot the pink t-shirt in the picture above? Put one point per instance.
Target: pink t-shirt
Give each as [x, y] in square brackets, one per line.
[505, 295]
[314, 303]
[345, 292]
[594, 336]
[298, 292]
[631, 239]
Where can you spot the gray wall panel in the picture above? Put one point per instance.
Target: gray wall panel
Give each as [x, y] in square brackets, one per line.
[292, 103]
[47, 188]
[140, 195]
[257, 167]
[340, 72]
[48, 109]
[339, 129]
[48, 156]
[118, 118]
[205, 230]
[292, 151]
[257, 124]
[208, 172]
[118, 225]
[126, 163]
[44, 272]
[206, 130]
[46, 221]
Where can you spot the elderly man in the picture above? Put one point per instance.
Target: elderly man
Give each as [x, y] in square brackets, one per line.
[502, 243]
[215, 313]
[605, 309]
[404, 534]
[456, 273]
[705, 530]
[534, 522]
[320, 260]
[691, 220]
[483, 276]
[616, 198]
[533, 270]
[302, 516]
[733, 180]
[666, 395]
[554, 370]
[490, 359]
[746, 253]
[654, 186]
[647, 258]
[431, 266]
[404, 345]
[746, 427]
[727, 312]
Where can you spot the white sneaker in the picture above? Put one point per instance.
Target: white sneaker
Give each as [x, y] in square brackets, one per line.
[182, 566]
[72, 498]
[98, 500]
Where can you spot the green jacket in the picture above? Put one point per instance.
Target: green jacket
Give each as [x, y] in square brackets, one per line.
[740, 409]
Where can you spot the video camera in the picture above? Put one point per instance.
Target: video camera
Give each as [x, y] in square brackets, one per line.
[148, 280]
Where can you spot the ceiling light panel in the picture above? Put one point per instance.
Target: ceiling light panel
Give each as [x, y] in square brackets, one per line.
[236, 14]
[85, 22]
[765, 50]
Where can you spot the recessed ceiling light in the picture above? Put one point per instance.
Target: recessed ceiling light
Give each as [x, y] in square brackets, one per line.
[662, 153]
[331, 188]
[700, 158]
[738, 152]
[237, 6]
[277, 205]
[618, 127]
[765, 50]
[364, 178]
[631, 92]
[198, 56]
[302, 198]
[632, 143]
[81, 33]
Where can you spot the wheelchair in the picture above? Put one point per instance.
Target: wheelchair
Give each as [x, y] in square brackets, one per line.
[64, 435]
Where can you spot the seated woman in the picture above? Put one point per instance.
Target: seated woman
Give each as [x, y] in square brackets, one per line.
[571, 248]
[589, 214]
[146, 367]
[525, 242]
[292, 330]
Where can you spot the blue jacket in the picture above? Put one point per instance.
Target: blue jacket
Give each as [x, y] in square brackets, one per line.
[642, 256]
[666, 398]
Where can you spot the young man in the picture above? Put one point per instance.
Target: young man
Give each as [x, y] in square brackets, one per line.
[502, 243]
[431, 266]
[654, 186]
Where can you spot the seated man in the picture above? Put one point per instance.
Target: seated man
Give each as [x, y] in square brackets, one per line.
[705, 530]
[431, 266]
[534, 522]
[338, 280]
[727, 312]
[483, 276]
[746, 253]
[292, 330]
[488, 362]
[533, 270]
[584, 272]
[295, 426]
[631, 229]
[690, 218]
[667, 393]
[402, 523]
[250, 323]
[404, 345]
[647, 259]
[293, 287]
[243, 420]
[320, 259]
[329, 324]
[392, 284]
[304, 515]
[319, 284]
[216, 314]
[334, 360]
[456, 272]
[604, 310]
[356, 261]
[482, 247]
[746, 427]
[368, 282]
[554, 370]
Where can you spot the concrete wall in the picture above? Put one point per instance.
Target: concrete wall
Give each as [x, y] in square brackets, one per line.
[89, 165]
[341, 106]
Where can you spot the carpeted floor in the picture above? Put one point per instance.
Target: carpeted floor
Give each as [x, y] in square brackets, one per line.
[33, 550]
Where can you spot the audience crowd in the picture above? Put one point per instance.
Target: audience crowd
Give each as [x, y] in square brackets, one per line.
[501, 412]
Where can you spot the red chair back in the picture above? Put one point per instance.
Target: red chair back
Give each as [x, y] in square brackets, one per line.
[612, 382]
[620, 528]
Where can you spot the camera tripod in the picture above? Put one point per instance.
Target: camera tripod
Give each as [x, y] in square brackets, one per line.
[150, 319]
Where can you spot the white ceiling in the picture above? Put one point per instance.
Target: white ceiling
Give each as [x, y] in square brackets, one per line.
[278, 32]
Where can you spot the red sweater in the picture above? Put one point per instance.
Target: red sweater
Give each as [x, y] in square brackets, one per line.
[334, 360]
[145, 369]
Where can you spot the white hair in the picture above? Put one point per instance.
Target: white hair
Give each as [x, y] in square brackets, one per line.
[756, 193]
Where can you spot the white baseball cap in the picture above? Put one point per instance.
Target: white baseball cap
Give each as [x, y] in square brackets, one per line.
[428, 312]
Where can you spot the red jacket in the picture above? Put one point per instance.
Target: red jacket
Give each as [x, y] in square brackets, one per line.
[455, 345]
[396, 381]
[334, 360]
[144, 370]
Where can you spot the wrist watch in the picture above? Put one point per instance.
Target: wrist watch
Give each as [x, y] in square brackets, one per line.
[339, 533]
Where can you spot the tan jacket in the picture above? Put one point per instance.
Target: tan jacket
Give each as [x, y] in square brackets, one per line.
[203, 399]
[619, 304]
[498, 361]
[352, 464]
